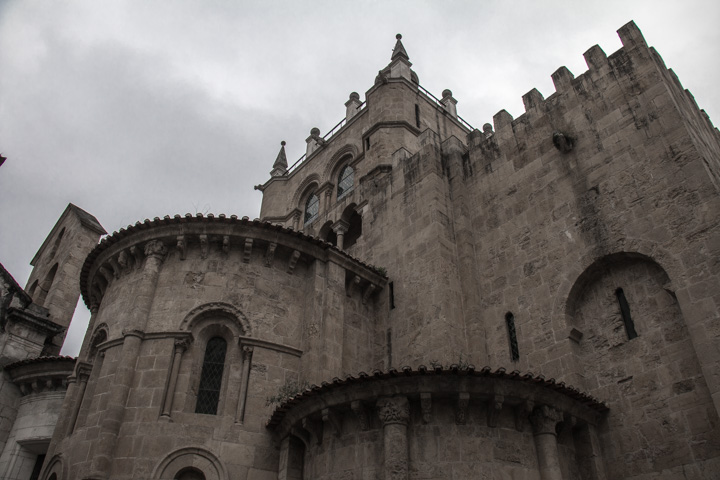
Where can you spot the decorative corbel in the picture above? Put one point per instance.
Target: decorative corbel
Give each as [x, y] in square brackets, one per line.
[330, 417]
[368, 291]
[462, 408]
[493, 410]
[115, 267]
[248, 250]
[181, 246]
[270, 254]
[355, 282]
[137, 254]
[226, 244]
[521, 413]
[293, 261]
[123, 260]
[106, 273]
[361, 414]
[426, 407]
[203, 246]
[314, 429]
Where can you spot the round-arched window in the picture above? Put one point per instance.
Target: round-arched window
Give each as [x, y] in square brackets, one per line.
[312, 208]
[190, 473]
[345, 181]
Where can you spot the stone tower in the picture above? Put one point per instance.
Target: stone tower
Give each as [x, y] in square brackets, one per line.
[422, 299]
[53, 281]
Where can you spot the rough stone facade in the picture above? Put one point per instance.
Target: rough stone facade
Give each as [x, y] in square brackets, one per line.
[344, 333]
[33, 323]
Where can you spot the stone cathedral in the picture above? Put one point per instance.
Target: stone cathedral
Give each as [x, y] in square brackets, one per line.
[537, 299]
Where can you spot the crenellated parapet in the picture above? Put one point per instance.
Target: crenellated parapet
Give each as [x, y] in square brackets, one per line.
[630, 79]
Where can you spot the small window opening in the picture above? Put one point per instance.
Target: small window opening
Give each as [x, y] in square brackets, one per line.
[512, 337]
[38, 466]
[367, 143]
[57, 243]
[189, 473]
[345, 181]
[625, 312]
[312, 208]
[44, 287]
[211, 376]
[331, 237]
[391, 291]
[417, 115]
[354, 231]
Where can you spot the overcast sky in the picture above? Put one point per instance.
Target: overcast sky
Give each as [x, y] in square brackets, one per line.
[138, 109]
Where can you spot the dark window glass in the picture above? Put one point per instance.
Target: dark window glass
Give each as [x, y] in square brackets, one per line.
[625, 312]
[512, 336]
[38, 465]
[312, 208]
[211, 377]
[345, 181]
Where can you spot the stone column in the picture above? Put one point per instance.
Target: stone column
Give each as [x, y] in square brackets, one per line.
[83, 373]
[112, 418]
[247, 352]
[180, 346]
[340, 228]
[543, 420]
[394, 413]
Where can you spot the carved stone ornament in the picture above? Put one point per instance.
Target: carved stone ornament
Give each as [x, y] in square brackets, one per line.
[182, 344]
[544, 419]
[393, 410]
[462, 408]
[361, 414]
[155, 248]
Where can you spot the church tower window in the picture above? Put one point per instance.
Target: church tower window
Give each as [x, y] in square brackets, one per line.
[345, 181]
[512, 336]
[211, 376]
[312, 208]
[625, 312]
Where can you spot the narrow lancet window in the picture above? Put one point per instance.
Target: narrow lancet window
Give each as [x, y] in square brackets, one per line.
[211, 376]
[345, 181]
[625, 312]
[512, 337]
[312, 208]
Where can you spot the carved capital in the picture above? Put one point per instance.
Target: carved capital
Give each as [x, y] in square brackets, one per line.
[393, 410]
[544, 419]
[155, 248]
[182, 344]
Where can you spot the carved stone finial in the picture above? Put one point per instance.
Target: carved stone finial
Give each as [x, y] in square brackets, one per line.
[398, 36]
[447, 93]
[393, 410]
[280, 167]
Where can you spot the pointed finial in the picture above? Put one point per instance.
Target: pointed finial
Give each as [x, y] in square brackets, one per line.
[399, 50]
[281, 165]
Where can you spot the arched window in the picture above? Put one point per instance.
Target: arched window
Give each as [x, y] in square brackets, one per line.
[211, 376]
[57, 243]
[312, 208]
[345, 181]
[44, 287]
[190, 473]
